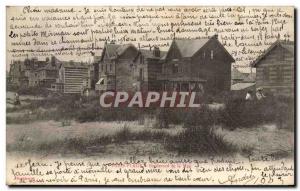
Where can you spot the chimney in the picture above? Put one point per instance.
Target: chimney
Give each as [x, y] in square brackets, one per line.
[156, 51]
[215, 36]
[53, 60]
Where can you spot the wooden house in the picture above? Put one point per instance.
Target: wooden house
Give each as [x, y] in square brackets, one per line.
[73, 77]
[275, 69]
[197, 65]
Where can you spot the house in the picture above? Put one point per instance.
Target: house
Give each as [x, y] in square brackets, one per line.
[24, 73]
[147, 68]
[15, 72]
[48, 74]
[197, 65]
[275, 69]
[73, 77]
[115, 68]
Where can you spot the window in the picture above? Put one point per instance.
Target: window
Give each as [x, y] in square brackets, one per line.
[141, 74]
[101, 67]
[110, 67]
[105, 67]
[175, 68]
[204, 55]
[211, 54]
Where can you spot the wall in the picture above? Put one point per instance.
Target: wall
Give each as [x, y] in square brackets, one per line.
[73, 79]
[217, 71]
[267, 75]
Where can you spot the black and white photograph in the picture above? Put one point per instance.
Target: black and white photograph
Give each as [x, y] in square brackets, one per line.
[150, 95]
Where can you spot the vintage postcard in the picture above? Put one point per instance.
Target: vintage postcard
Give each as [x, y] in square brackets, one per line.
[150, 95]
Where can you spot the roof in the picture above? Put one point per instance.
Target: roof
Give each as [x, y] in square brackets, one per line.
[237, 75]
[71, 64]
[241, 86]
[149, 53]
[49, 66]
[97, 58]
[288, 45]
[115, 50]
[188, 47]
[250, 77]
[180, 79]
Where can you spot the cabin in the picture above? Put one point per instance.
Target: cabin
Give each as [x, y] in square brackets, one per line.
[115, 68]
[73, 78]
[275, 69]
[201, 65]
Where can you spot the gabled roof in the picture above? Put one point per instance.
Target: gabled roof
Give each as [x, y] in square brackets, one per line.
[241, 86]
[237, 75]
[115, 50]
[288, 45]
[250, 77]
[188, 47]
[49, 66]
[149, 54]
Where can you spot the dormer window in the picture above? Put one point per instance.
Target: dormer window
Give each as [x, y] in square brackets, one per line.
[211, 54]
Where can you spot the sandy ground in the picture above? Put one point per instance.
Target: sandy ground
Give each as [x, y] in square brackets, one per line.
[265, 139]
[262, 139]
